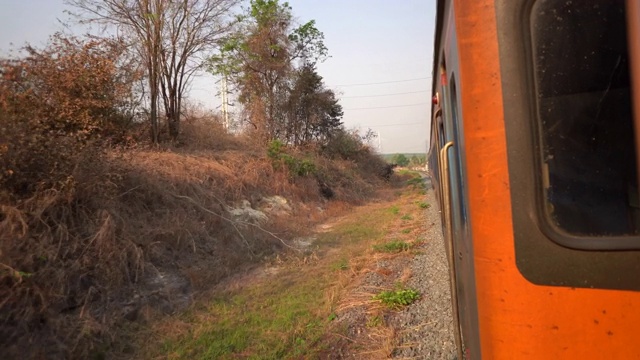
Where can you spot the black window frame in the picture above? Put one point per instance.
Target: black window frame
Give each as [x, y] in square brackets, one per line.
[539, 256]
[554, 231]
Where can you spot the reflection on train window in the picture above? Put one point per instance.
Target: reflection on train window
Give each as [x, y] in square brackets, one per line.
[585, 122]
[459, 216]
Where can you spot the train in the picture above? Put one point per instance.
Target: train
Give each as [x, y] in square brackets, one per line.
[535, 131]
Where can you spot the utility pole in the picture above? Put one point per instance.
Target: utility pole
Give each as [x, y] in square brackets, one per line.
[379, 143]
[225, 102]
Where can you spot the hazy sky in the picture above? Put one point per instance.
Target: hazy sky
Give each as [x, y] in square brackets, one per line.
[385, 44]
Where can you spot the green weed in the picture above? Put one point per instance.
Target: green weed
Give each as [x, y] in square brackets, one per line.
[415, 181]
[424, 205]
[392, 247]
[407, 217]
[395, 299]
[342, 264]
[374, 321]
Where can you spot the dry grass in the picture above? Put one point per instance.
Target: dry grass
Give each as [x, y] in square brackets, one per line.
[368, 335]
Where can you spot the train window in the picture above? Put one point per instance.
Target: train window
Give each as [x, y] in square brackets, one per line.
[584, 118]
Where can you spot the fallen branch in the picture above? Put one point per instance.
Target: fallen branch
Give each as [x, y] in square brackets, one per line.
[235, 222]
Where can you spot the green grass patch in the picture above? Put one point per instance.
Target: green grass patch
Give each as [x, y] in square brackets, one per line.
[342, 264]
[398, 298]
[365, 227]
[424, 205]
[374, 321]
[282, 317]
[416, 182]
[278, 319]
[406, 231]
[394, 210]
[392, 247]
[407, 217]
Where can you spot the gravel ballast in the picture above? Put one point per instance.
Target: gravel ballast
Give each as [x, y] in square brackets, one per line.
[425, 328]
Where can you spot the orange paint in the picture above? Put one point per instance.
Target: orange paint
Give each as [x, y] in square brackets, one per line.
[517, 319]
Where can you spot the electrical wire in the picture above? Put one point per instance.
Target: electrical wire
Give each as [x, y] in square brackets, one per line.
[387, 125]
[386, 82]
[403, 93]
[387, 107]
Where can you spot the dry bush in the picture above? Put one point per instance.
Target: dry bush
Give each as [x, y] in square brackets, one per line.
[203, 129]
[72, 256]
[56, 100]
[60, 252]
[60, 249]
[351, 146]
[30, 160]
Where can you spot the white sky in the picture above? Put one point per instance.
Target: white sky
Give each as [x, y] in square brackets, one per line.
[375, 42]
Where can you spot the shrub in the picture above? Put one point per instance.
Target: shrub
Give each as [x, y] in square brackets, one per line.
[401, 160]
[56, 101]
[343, 144]
[296, 167]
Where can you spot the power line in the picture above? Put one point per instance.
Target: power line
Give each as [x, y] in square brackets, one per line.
[387, 82]
[387, 125]
[403, 93]
[387, 107]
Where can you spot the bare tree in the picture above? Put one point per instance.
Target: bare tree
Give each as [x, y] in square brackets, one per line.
[170, 36]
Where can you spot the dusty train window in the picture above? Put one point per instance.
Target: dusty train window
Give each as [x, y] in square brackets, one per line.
[584, 119]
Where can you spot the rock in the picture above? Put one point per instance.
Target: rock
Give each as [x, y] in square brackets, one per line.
[248, 214]
[304, 242]
[276, 205]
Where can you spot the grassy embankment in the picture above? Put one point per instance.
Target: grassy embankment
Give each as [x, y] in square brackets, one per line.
[133, 234]
[291, 309]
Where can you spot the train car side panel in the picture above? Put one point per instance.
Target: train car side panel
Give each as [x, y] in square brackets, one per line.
[517, 318]
[489, 199]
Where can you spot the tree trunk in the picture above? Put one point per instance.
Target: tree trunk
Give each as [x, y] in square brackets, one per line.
[173, 120]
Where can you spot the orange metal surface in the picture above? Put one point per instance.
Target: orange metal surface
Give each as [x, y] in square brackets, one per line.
[517, 319]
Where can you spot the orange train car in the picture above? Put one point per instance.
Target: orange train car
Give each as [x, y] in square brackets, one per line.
[533, 155]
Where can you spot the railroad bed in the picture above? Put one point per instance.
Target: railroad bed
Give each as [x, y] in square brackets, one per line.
[426, 327]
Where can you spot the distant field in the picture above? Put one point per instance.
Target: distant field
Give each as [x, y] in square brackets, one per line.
[390, 157]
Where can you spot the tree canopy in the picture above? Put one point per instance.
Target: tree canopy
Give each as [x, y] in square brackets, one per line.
[401, 159]
[272, 62]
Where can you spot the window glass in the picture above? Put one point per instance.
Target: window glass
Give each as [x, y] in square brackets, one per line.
[585, 122]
